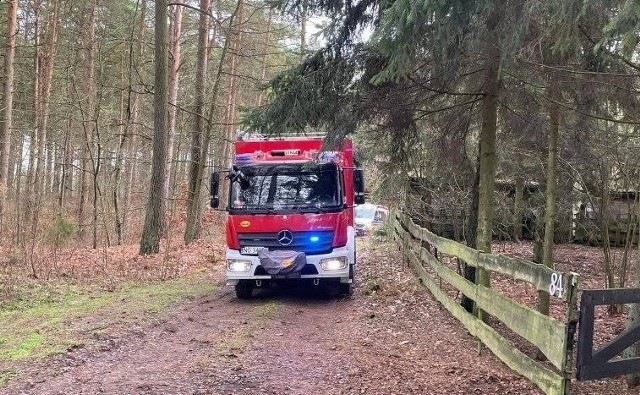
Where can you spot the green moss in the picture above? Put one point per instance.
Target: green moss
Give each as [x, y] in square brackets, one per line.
[266, 310]
[51, 319]
[6, 376]
[371, 287]
[26, 346]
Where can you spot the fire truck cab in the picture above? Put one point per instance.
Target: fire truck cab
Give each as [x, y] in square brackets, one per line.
[290, 213]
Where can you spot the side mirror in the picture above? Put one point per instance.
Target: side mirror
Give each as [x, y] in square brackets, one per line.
[358, 186]
[215, 186]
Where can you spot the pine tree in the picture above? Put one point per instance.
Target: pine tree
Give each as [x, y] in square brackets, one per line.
[154, 217]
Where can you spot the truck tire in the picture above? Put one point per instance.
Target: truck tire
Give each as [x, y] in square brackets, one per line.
[346, 289]
[244, 289]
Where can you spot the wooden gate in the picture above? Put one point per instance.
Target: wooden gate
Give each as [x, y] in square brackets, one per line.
[596, 364]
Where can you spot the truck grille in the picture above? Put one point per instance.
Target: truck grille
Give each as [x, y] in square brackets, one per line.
[309, 242]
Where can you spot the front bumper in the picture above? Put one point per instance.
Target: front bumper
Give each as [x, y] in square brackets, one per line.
[343, 274]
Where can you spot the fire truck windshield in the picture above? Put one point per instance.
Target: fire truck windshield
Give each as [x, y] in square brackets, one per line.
[286, 187]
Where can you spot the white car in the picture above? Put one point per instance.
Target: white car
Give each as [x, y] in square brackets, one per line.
[369, 216]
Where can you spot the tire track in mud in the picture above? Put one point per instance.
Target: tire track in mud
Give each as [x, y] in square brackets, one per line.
[217, 344]
[307, 349]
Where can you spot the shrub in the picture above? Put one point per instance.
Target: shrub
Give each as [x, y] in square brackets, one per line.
[61, 231]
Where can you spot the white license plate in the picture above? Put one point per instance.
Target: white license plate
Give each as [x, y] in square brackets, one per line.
[251, 250]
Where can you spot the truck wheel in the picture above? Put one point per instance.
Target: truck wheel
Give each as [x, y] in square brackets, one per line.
[346, 289]
[244, 289]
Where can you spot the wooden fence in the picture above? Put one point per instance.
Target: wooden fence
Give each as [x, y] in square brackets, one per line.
[622, 230]
[552, 337]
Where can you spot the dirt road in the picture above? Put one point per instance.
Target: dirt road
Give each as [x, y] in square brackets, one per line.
[391, 337]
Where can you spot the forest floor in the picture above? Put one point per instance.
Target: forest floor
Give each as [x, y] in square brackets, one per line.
[190, 335]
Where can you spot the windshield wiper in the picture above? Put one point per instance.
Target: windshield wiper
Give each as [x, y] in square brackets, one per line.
[311, 209]
[303, 208]
[254, 210]
[318, 208]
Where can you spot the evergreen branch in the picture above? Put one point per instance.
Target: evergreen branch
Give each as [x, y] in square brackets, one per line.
[446, 92]
[442, 109]
[578, 111]
[607, 51]
[589, 115]
[578, 72]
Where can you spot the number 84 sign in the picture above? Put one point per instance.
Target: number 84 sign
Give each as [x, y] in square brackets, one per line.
[556, 285]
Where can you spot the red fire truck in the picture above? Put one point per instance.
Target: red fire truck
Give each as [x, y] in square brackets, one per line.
[291, 213]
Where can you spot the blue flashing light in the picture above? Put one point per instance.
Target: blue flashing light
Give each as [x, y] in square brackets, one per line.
[314, 239]
[243, 158]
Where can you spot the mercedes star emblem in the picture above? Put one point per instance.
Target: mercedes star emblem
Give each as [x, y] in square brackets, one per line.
[285, 237]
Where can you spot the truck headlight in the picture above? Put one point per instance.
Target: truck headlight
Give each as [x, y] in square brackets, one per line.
[238, 265]
[337, 263]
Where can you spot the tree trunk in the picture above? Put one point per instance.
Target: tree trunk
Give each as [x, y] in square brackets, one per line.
[130, 167]
[92, 133]
[487, 152]
[192, 229]
[88, 124]
[47, 62]
[303, 30]
[43, 66]
[44, 60]
[196, 169]
[518, 209]
[176, 29]
[629, 238]
[5, 131]
[117, 168]
[33, 138]
[24, 217]
[96, 164]
[136, 53]
[15, 152]
[235, 49]
[65, 182]
[605, 172]
[633, 318]
[53, 179]
[265, 58]
[154, 217]
[231, 117]
[488, 157]
[83, 191]
[551, 192]
[472, 230]
[19, 193]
